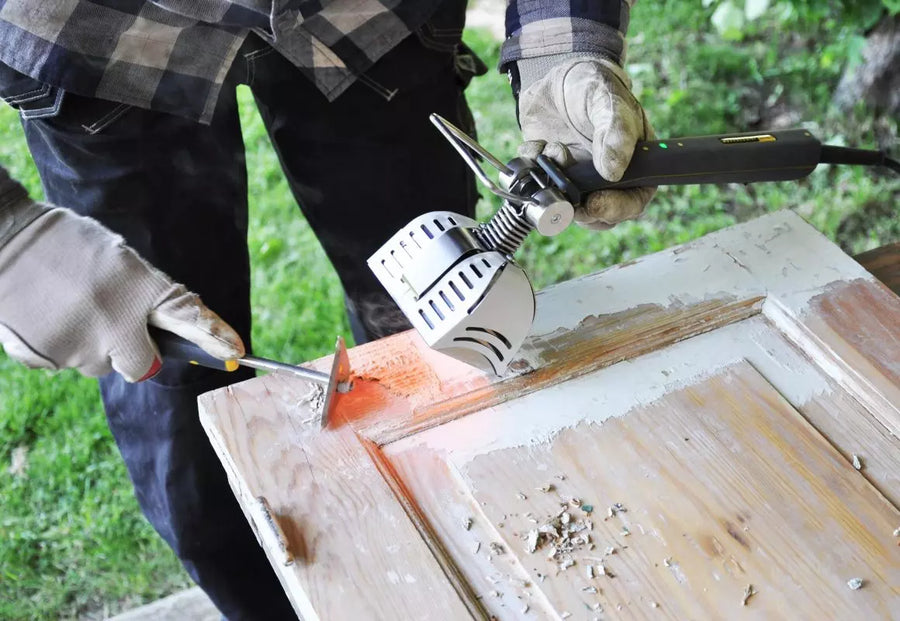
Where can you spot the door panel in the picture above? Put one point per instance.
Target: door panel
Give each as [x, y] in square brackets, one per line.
[721, 477]
[719, 391]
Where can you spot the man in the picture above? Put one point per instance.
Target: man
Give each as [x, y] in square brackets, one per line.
[130, 114]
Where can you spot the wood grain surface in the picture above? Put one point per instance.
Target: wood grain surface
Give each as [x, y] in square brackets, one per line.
[738, 395]
[356, 554]
[723, 484]
[884, 264]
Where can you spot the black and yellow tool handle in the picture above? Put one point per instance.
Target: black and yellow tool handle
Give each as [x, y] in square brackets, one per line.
[726, 158]
[173, 347]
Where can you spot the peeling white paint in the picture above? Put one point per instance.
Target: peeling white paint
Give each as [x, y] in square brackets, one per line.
[768, 256]
[614, 391]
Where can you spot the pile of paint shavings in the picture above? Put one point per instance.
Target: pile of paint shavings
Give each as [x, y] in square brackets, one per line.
[563, 535]
[315, 400]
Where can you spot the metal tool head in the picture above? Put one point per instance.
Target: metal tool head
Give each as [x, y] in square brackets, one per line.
[455, 279]
[338, 380]
[468, 301]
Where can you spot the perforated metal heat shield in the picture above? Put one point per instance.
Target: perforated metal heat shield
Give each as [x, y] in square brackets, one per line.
[468, 302]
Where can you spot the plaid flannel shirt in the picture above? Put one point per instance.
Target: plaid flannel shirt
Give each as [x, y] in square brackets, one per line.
[173, 55]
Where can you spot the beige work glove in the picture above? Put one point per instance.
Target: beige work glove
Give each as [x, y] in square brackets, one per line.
[574, 107]
[72, 294]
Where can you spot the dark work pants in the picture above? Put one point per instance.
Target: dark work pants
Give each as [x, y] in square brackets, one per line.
[360, 168]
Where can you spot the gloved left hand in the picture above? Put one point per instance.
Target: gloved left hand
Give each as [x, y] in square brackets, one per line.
[576, 107]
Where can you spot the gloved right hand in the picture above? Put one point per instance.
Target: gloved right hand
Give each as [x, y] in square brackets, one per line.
[580, 106]
[72, 294]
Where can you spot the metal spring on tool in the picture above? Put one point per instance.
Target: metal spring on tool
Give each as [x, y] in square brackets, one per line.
[505, 231]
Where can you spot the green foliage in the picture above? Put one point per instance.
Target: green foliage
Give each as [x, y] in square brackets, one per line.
[71, 536]
[736, 19]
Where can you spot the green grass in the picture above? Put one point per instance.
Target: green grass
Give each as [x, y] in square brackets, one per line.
[71, 536]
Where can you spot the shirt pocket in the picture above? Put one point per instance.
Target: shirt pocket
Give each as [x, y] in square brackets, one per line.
[442, 31]
[37, 100]
[32, 98]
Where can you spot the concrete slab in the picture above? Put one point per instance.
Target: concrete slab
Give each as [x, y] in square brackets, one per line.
[189, 605]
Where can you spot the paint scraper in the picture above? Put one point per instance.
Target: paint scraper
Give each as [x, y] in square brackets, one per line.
[174, 347]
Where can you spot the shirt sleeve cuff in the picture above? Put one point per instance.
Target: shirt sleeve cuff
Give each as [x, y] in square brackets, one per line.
[540, 28]
[563, 36]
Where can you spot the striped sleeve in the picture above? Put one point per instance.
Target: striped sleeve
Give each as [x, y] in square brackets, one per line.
[541, 28]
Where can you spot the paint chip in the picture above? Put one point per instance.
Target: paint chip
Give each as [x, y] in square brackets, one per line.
[18, 462]
[748, 593]
[467, 523]
[625, 532]
[856, 584]
[587, 508]
[857, 462]
[531, 541]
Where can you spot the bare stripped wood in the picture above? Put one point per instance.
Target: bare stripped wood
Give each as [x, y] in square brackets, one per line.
[356, 555]
[458, 520]
[884, 264]
[722, 484]
[429, 462]
[853, 332]
[856, 433]
[435, 544]
[864, 320]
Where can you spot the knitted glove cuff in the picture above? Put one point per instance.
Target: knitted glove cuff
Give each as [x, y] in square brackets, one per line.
[530, 70]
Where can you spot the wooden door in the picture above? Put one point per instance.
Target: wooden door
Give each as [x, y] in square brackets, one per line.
[707, 432]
